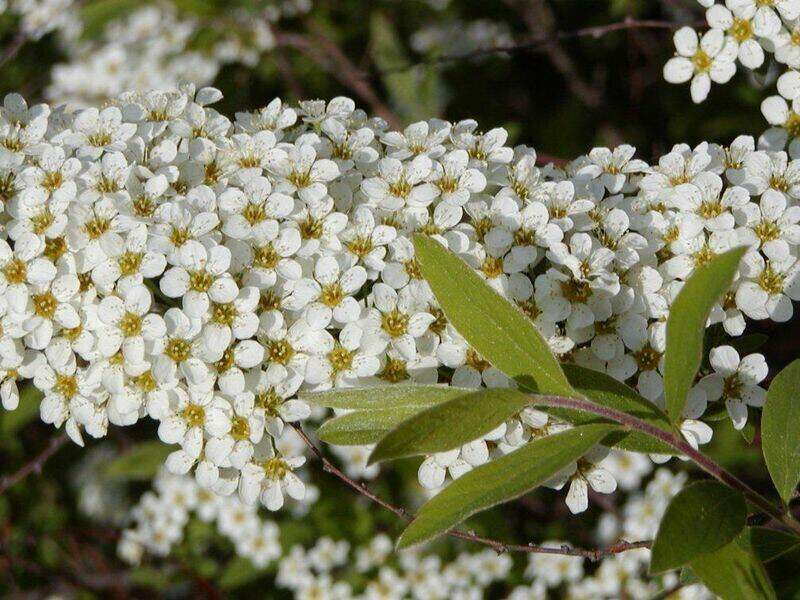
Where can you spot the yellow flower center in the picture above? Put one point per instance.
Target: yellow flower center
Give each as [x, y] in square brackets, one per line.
[194, 415]
[16, 271]
[130, 324]
[45, 305]
[178, 349]
[701, 61]
[395, 323]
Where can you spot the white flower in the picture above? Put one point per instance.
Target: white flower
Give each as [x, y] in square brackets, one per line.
[201, 279]
[768, 287]
[394, 320]
[400, 184]
[95, 131]
[302, 172]
[736, 381]
[710, 59]
[269, 478]
[191, 414]
[766, 18]
[128, 326]
[739, 27]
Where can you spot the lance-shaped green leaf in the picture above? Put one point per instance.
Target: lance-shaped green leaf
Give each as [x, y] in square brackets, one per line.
[501, 480]
[363, 427]
[451, 424]
[701, 518]
[604, 390]
[734, 572]
[498, 330]
[686, 325]
[385, 396]
[780, 430]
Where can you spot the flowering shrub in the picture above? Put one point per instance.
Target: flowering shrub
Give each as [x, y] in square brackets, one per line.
[221, 282]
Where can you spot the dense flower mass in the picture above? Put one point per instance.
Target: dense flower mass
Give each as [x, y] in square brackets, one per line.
[163, 262]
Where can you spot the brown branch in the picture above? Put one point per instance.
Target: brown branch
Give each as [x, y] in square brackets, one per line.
[35, 465]
[327, 55]
[540, 21]
[13, 47]
[592, 554]
[538, 43]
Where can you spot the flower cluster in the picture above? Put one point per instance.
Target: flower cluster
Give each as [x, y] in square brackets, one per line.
[163, 261]
[741, 31]
[161, 515]
[372, 571]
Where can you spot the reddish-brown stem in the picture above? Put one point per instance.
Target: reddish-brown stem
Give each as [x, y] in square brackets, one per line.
[593, 554]
[35, 465]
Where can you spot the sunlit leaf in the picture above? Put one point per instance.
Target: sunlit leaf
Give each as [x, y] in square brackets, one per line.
[385, 396]
[451, 424]
[362, 427]
[498, 330]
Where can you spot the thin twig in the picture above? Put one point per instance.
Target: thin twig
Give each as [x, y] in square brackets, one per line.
[498, 546]
[13, 47]
[537, 43]
[35, 465]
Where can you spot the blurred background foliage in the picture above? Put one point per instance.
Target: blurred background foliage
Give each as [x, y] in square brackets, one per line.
[553, 88]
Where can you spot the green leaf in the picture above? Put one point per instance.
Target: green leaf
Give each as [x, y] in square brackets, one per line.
[780, 553]
[451, 424]
[385, 396]
[415, 91]
[497, 329]
[140, 462]
[13, 420]
[686, 325]
[363, 427]
[780, 430]
[770, 544]
[237, 573]
[500, 480]
[604, 390]
[701, 518]
[734, 572]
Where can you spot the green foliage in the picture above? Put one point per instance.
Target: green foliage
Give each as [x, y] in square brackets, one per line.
[780, 430]
[140, 462]
[238, 573]
[28, 409]
[363, 426]
[451, 424]
[414, 91]
[501, 480]
[686, 325]
[701, 518]
[500, 332]
[734, 572]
